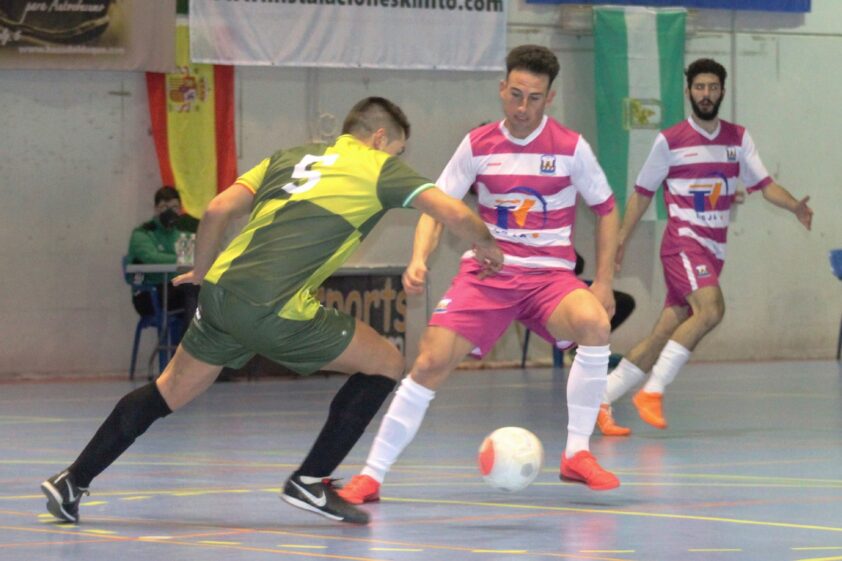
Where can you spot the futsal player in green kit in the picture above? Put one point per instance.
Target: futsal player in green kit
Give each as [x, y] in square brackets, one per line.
[311, 207]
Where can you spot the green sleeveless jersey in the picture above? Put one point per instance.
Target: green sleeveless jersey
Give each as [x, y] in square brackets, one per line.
[313, 206]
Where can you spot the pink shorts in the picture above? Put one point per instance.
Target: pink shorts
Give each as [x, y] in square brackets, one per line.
[687, 272]
[482, 310]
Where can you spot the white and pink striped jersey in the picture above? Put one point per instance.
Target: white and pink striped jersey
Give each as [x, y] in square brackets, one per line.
[699, 172]
[527, 190]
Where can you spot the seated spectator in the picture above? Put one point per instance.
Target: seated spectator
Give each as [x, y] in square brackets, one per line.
[154, 242]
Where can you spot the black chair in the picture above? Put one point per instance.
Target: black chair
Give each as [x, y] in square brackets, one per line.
[625, 307]
[558, 354]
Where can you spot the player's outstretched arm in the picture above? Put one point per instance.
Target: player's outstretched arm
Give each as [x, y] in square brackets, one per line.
[427, 235]
[635, 208]
[780, 197]
[232, 203]
[457, 217]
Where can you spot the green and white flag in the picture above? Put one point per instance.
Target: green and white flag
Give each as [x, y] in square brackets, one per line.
[639, 65]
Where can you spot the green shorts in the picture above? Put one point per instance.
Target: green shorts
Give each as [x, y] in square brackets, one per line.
[229, 331]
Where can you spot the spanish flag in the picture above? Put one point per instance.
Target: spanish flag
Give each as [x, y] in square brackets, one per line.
[192, 113]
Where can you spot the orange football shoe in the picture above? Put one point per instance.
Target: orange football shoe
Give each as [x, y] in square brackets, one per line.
[606, 425]
[583, 468]
[650, 408]
[361, 489]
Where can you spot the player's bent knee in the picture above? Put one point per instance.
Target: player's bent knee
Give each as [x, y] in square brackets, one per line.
[720, 310]
[430, 370]
[388, 362]
[371, 353]
[712, 315]
[394, 367]
[712, 319]
[592, 328]
[596, 334]
[428, 362]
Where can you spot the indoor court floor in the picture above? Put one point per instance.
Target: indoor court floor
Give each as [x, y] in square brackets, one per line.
[750, 469]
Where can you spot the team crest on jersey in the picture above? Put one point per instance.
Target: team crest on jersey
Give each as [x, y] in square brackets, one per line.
[441, 307]
[547, 164]
[731, 153]
[702, 271]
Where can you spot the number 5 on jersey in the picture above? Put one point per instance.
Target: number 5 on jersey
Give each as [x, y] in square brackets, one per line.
[304, 170]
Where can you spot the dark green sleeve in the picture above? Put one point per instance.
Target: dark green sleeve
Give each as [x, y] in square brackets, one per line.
[398, 184]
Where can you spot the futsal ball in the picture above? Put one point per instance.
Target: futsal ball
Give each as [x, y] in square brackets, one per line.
[510, 458]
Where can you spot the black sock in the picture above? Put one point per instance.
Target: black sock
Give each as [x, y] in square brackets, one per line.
[351, 410]
[130, 418]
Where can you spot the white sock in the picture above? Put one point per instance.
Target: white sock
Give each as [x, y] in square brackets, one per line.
[626, 376]
[398, 427]
[672, 358]
[585, 388]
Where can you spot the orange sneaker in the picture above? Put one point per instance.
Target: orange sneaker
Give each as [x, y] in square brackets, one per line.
[583, 468]
[361, 489]
[607, 426]
[650, 408]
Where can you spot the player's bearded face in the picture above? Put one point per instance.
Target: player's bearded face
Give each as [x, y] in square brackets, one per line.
[706, 96]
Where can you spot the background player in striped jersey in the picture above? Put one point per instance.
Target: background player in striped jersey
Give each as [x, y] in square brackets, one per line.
[698, 162]
[529, 171]
[311, 206]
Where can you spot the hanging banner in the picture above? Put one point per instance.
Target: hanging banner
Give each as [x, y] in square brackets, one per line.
[800, 6]
[87, 34]
[192, 114]
[413, 34]
[639, 70]
[373, 295]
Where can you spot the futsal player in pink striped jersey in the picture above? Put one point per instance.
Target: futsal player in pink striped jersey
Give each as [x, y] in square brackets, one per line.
[698, 161]
[528, 171]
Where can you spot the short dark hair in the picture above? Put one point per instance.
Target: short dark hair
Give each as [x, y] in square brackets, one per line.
[166, 193]
[535, 59]
[372, 113]
[705, 66]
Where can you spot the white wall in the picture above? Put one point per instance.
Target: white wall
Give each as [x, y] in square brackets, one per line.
[78, 171]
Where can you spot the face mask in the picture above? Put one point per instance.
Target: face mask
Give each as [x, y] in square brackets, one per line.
[168, 218]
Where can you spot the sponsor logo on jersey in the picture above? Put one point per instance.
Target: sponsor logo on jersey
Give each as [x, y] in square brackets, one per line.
[513, 208]
[702, 271]
[547, 164]
[708, 192]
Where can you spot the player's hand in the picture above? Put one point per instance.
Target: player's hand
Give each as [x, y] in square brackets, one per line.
[739, 197]
[804, 213]
[190, 277]
[618, 257]
[490, 257]
[605, 294]
[414, 277]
